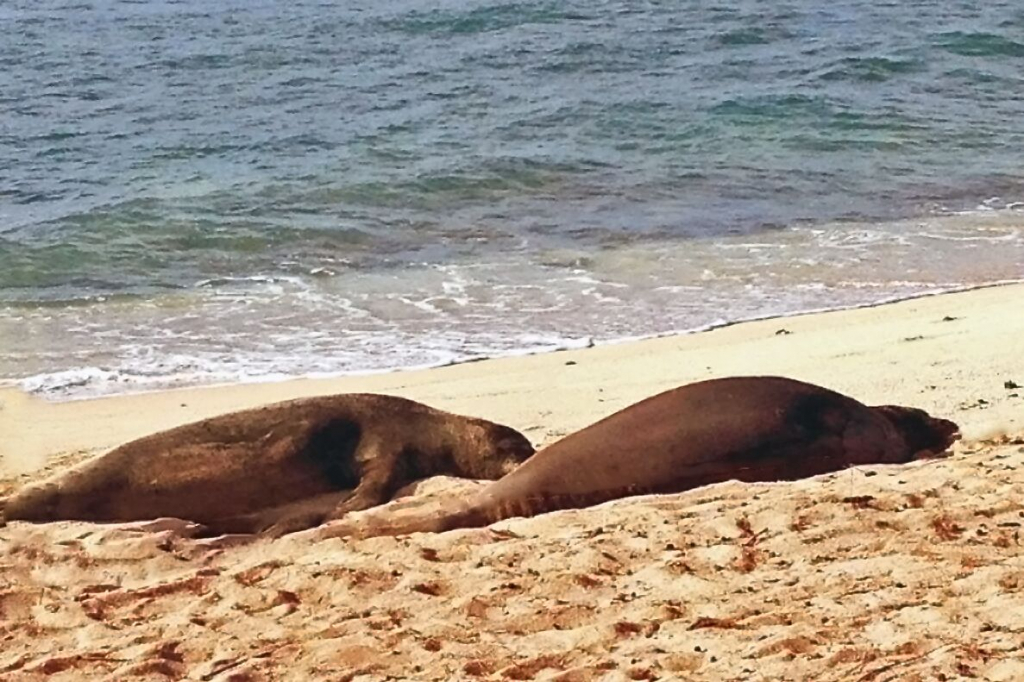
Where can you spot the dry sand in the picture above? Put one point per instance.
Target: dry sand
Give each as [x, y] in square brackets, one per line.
[878, 573]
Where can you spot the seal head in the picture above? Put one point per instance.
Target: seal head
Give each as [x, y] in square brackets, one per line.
[924, 435]
[496, 450]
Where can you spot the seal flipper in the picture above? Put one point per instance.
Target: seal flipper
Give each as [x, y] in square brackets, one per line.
[281, 520]
[377, 465]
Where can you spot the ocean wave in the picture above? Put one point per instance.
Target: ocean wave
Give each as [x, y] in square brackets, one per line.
[247, 281]
[147, 372]
[979, 44]
[871, 69]
[166, 373]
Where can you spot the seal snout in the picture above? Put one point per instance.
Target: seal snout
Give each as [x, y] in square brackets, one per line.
[933, 434]
[949, 432]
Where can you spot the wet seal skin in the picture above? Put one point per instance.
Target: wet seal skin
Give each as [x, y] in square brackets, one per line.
[276, 469]
[743, 428]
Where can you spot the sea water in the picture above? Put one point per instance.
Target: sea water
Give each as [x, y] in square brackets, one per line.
[195, 192]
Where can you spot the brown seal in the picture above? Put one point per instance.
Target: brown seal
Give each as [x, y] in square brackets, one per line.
[288, 465]
[743, 428]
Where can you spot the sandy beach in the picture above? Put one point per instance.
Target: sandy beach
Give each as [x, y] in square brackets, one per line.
[878, 573]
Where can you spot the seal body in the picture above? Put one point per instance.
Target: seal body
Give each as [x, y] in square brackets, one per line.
[288, 464]
[743, 428]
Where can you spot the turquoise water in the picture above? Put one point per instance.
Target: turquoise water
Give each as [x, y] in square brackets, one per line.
[195, 192]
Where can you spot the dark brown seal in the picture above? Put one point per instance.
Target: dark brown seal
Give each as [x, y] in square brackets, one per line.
[286, 465]
[743, 428]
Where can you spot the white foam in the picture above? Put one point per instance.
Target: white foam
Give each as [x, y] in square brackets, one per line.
[147, 372]
[67, 380]
[246, 281]
[268, 327]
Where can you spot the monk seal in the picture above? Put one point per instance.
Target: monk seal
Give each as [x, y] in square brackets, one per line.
[743, 428]
[287, 465]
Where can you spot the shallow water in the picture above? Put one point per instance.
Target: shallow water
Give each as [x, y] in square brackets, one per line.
[194, 193]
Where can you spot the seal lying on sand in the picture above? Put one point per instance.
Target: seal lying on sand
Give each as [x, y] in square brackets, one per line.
[286, 465]
[744, 428]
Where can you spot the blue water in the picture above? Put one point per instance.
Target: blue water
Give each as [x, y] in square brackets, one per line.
[195, 191]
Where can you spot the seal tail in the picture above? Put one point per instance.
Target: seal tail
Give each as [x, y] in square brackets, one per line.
[480, 511]
[436, 521]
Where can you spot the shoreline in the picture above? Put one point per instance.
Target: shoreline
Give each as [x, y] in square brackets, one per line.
[642, 289]
[580, 343]
[549, 394]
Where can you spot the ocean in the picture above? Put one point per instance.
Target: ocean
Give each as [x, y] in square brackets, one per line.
[196, 192]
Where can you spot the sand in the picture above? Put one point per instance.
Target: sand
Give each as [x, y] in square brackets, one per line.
[876, 573]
